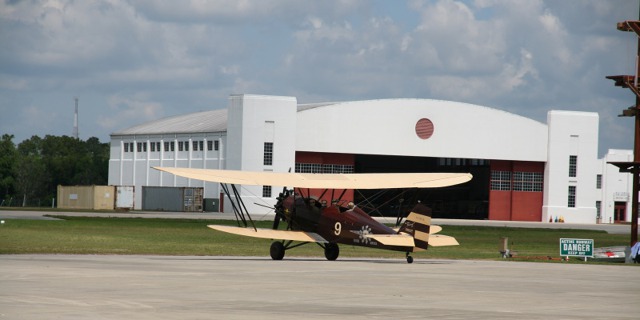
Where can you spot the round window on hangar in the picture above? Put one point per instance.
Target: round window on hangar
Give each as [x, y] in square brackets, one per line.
[424, 128]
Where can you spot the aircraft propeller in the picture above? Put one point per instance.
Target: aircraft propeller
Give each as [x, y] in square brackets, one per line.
[279, 208]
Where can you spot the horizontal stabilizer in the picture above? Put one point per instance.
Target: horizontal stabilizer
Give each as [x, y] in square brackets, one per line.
[396, 240]
[433, 229]
[439, 240]
[271, 234]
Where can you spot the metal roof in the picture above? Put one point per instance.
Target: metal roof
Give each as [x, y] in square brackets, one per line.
[197, 122]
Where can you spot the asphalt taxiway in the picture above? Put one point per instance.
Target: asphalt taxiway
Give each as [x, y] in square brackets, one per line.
[162, 287]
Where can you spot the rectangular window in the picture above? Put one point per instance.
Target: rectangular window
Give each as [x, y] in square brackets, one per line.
[323, 168]
[180, 146]
[153, 147]
[186, 146]
[528, 181]
[266, 191]
[201, 144]
[598, 205]
[126, 147]
[195, 146]
[173, 146]
[216, 145]
[599, 181]
[139, 146]
[158, 146]
[166, 146]
[500, 180]
[573, 166]
[268, 154]
[144, 147]
[571, 203]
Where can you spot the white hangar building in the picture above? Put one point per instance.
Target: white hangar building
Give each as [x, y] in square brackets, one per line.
[523, 169]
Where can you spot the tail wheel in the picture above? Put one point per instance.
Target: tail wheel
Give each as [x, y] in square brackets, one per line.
[277, 250]
[409, 258]
[331, 251]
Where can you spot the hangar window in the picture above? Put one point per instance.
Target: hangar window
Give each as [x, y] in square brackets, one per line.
[201, 145]
[195, 146]
[500, 180]
[599, 181]
[266, 191]
[180, 145]
[268, 154]
[126, 147]
[153, 147]
[527, 181]
[323, 168]
[213, 145]
[571, 203]
[573, 166]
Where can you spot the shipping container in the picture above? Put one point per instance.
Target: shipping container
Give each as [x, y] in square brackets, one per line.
[125, 196]
[211, 205]
[86, 197]
[179, 199]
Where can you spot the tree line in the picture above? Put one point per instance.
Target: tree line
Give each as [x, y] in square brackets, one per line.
[31, 171]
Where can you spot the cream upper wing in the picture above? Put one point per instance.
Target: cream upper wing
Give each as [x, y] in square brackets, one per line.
[323, 181]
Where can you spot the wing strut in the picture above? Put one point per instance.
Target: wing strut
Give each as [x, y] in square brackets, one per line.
[239, 208]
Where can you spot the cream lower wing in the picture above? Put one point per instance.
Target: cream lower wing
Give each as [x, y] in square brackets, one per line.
[271, 234]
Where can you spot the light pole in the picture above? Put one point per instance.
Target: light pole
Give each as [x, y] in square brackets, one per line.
[631, 82]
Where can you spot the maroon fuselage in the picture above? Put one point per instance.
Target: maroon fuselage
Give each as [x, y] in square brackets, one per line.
[336, 224]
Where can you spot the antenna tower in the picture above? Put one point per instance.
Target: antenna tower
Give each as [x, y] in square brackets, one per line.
[75, 121]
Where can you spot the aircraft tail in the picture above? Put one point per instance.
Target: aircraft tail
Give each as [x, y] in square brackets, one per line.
[418, 225]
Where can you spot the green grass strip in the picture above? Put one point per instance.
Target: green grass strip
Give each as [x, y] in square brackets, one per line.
[90, 235]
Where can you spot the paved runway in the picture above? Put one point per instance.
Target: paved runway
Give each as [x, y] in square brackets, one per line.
[160, 287]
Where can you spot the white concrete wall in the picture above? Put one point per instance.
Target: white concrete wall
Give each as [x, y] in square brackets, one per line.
[135, 168]
[616, 186]
[388, 127]
[252, 121]
[571, 133]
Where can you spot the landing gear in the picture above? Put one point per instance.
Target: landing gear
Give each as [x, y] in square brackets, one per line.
[409, 258]
[331, 251]
[277, 250]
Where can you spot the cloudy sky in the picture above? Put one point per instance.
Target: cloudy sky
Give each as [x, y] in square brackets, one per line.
[130, 62]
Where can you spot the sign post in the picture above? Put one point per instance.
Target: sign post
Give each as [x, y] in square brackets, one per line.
[576, 248]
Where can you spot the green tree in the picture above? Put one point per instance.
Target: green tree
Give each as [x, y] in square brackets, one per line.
[31, 178]
[7, 161]
[41, 164]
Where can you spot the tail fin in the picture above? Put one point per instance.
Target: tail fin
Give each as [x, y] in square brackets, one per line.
[418, 225]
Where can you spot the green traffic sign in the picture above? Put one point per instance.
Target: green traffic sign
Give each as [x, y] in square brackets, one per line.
[576, 247]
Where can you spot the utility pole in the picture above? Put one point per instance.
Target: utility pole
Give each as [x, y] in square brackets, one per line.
[631, 82]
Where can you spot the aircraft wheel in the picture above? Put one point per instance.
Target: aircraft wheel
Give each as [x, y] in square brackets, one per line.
[277, 250]
[409, 259]
[331, 251]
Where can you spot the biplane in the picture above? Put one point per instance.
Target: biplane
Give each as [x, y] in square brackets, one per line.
[329, 224]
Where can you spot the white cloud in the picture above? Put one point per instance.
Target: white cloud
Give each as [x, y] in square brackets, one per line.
[136, 60]
[133, 110]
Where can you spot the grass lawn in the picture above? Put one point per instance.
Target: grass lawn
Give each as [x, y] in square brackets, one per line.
[88, 235]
